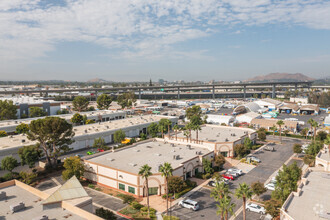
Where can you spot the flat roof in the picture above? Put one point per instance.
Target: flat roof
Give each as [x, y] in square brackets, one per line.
[33, 204]
[315, 197]
[64, 116]
[217, 133]
[325, 156]
[150, 152]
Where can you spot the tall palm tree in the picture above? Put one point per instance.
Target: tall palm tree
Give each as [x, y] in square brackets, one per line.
[304, 132]
[243, 192]
[176, 128]
[219, 191]
[166, 171]
[273, 128]
[280, 123]
[227, 206]
[145, 173]
[315, 125]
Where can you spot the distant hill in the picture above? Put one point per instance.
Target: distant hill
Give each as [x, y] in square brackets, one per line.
[280, 77]
[97, 80]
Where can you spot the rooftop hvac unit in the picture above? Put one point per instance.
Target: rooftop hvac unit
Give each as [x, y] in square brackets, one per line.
[226, 139]
[3, 195]
[159, 167]
[177, 157]
[136, 150]
[23, 141]
[85, 131]
[44, 217]
[189, 146]
[110, 159]
[17, 207]
[157, 154]
[132, 164]
[172, 145]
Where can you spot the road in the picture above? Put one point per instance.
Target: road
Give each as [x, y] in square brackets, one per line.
[271, 162]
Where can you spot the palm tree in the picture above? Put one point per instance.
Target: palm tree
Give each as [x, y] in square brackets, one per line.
[145, 173]
[219, 191]
[304, 132]
[280, 123]
[310, 121]
[176, 128]
[244, 192]
[315, 125]
[273, 128]
[227, 206]
[166, 171]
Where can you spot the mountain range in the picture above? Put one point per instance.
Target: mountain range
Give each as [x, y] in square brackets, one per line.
[280, 77]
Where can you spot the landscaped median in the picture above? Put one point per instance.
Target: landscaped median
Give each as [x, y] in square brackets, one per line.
[137, 211]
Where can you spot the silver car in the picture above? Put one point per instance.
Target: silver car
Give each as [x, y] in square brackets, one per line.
[189, 204]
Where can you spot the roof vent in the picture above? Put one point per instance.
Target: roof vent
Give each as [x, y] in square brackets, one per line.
[132, 164]
[177, 157]
[136, 150]
[226, 139]
[110, 159]
[17, 207]
[3, 195]
[157, 154]
[44, 217]
[172, 145]
[174, 157]
[23, 141]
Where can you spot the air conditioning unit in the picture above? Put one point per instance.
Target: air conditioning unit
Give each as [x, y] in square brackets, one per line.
[17, 207]
[44, 217]
[177, 157]
[3, 195]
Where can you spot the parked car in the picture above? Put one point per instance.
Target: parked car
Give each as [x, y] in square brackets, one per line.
[252, 207]
[90, 152]
[270, 186]
[253, 158]
[228, 176]
[212, 182]
[189, 204]
[100, 150]
[269, 148]
[237, 171]
[271, 143]
[79, 155]
[233, 173]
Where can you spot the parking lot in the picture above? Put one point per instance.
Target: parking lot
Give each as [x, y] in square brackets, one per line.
[271, 161]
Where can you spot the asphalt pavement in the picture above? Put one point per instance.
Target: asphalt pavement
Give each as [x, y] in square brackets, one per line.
[270, 162]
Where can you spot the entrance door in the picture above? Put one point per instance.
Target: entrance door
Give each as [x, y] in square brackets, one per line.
[153, 191]
[224, 154]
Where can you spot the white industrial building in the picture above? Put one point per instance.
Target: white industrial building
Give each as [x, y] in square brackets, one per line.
[270, 104]
[247, 117]
[220, 119]
[119, 169]
[103, 115]
[86, 134]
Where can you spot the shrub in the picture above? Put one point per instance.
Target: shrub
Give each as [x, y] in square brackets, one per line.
[191, 183]
[178, 195]
[92, 186]
[10, 176]
[136, 205]
[127, 199]
[309, 160]
[98, 189]
[27, 178]
[206, 176]
[105, 213]
[297, 148]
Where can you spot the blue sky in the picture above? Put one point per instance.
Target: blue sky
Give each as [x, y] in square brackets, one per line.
[127, 40]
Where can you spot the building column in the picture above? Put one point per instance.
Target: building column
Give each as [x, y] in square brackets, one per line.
[139, 93]
[274, 93]
[178, 92]
[213, 92]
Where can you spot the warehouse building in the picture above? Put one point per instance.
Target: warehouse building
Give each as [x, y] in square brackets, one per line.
[219, 139]
[119, 169]
[289, 108]
[292, 126]
[20, 201]
[220, 119]
[103, 115]
[86, 134]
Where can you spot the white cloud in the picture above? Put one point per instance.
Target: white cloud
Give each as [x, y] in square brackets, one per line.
[29, 28]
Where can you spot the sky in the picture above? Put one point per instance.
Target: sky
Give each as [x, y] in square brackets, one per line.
[135, 40]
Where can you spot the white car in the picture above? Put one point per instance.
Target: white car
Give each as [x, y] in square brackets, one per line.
[270, 186]
[237, 171]
[189, 204]
[252, 207]
[253, 158]
[233, 173]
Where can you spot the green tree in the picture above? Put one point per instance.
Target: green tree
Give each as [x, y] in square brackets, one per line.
[315, 125]
[80, 103]
[77, 118]
[145, 172]
[313, 148]
[273, 128]
[73, 167]
[99, 143]
[227, 206]
[194, 111]
[54, 135]
[105, 214]
[219, 191]
[166, 171]
[176, 128]
[36, 112]
[286, 181]
[27, 178]
[280, 123]
[261, 135]
[89, 121]
[297, 148]
[243, 192]
[258, 188]
[219, 160]
[103, 101]
[22, 128]
[9, 163]
[304, 132]
[240, 150]
[207, 165]
[3, 134]
[321, 135]
[126, 100]
[272, 207]
[119, 136]
[175, 184]
[195, 124]
[309, 160]
[29, 155]
[153, 129]
[8, 110]
[163, 125]
[248, 143]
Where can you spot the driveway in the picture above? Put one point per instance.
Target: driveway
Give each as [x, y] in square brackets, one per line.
[270, 162]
